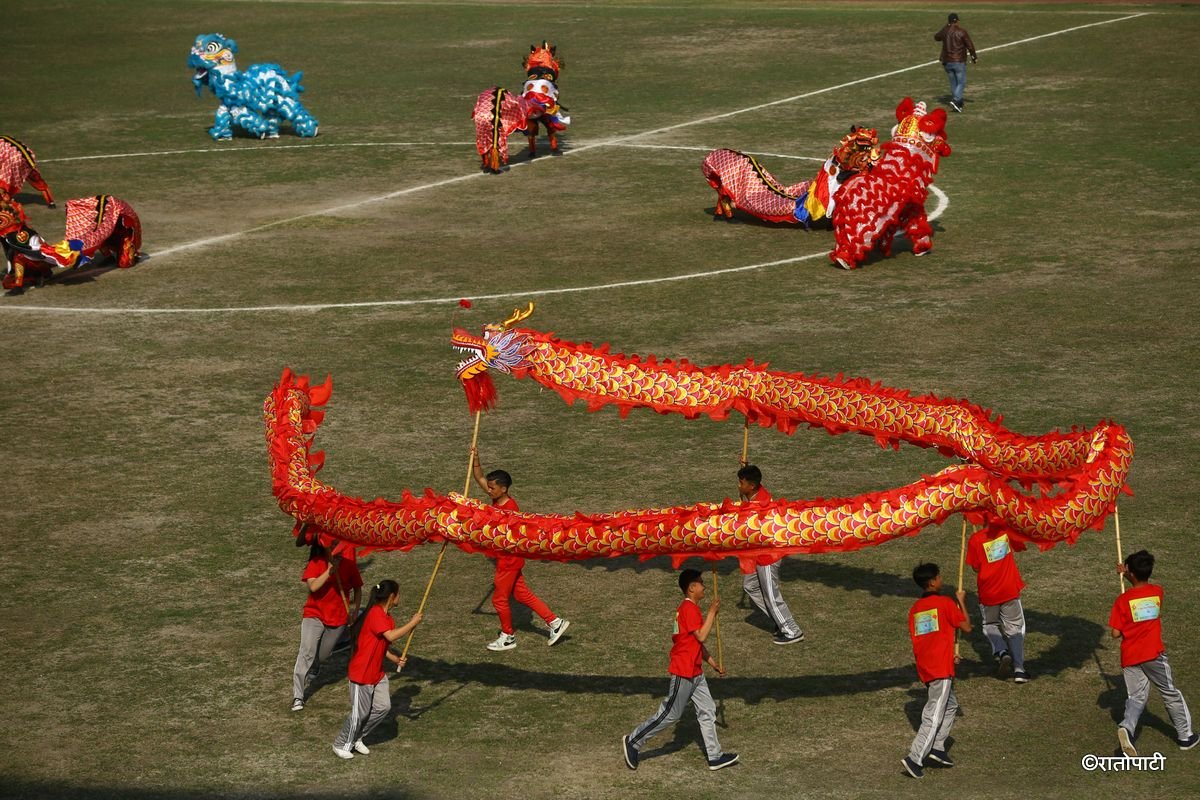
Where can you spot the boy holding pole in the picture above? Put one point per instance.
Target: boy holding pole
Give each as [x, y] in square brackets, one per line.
[762, 585]
[931, 624]
[508, 579]
[990, 554]
[1135, 621]
[688, 655]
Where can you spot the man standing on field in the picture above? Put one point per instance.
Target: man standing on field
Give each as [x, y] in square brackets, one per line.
[956, 44]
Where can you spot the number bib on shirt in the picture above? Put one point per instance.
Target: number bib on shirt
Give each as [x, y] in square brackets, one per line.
[996, 549]
[925, 622]
[1144, 609]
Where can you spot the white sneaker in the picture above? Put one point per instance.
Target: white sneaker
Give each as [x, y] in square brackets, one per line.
[557, 629]
[297, 705]
[361, 748]
[342, 753]
[505, 641]
[1126, 742]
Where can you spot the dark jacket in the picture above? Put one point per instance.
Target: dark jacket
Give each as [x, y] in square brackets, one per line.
[956, 43]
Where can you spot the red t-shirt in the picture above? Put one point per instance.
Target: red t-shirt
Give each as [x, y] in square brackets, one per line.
[508, 563]
[685, 648]
[366, 665]
[326, 604]
[1136, 615]
[996, 571]
[931, 624]
[762, 495]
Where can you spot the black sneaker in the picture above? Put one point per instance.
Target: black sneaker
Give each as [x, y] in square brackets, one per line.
[956, 106]
[782, 639]
[1021, 676]
[1004, 669]
[912, 768]
[1188, 743]
[941, 757]
[727, 760]
[631, 755]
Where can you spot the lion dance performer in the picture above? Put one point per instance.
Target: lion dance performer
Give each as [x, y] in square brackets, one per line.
[873, 207]
[499, 113]
[97, 226]
[256, 100]
[742, 182]
[18, 166]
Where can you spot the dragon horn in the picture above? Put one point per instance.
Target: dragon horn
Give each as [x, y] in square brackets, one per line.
[518, 315]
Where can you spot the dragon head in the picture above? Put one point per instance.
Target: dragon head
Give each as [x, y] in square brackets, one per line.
[211, 53]
[497, 348]
[921, 131]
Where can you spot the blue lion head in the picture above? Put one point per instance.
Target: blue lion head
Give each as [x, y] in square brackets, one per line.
[212, 52]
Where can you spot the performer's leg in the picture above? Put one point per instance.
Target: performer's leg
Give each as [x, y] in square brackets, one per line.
[706, 715]
[1137, 686]
[524, 594]
[1012, 625]
[932, 718]
[504, 581]
[1159, 673]
[679, 692]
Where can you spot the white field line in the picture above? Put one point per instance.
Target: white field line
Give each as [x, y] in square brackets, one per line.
[942, 203]
[264, 149]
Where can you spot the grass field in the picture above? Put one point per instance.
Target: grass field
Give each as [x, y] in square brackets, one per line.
[150, 600]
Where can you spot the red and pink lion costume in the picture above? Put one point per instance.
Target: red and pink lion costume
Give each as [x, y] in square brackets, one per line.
[873, 206]
[500, 113]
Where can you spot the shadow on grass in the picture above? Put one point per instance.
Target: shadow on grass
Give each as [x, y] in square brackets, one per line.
[64, 790]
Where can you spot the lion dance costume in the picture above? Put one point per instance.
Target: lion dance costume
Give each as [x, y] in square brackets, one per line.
[256, 100]
[1080, 474]
[499, 113]
[97, 226]
[742, 182]
[891, 196]
[18, 166]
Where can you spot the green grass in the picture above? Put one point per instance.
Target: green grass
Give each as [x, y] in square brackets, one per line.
[151, 596]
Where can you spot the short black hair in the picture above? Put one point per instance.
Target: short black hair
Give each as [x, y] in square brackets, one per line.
[1140, 564]
[501, 477]
[952, 18]
[751, 473]
[924, 573]
[687, 578]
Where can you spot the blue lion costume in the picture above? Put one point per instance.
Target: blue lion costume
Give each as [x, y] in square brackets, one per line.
[255, 100]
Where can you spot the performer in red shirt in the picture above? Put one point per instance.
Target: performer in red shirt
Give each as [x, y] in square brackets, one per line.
[687, 678]
[990, 554]
[370, 699]
[931, 624]
[330, 582]
[508, 580]
[763, 584]
[1135, 620]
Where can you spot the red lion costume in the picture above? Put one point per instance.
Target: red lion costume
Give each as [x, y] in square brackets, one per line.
[500, 113]
[18, 166]
[873, 206]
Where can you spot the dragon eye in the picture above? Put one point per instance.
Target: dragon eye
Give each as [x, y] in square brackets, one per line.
[212, 47]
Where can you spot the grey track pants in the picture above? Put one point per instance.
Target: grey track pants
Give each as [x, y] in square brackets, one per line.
[370, 703]
[679, 692]
[1006, 622]
[763, 587]
[937, 718]
[316, 643]
[1137, 682]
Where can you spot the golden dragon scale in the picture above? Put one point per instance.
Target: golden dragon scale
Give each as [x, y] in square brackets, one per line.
[1088, 467]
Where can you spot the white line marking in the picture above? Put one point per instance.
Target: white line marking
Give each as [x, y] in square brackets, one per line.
[943, 202]
[258, 149]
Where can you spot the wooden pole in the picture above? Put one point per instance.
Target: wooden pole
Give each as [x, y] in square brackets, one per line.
[1120, 558]
[720, 646]
[962, 558]
[746, 442]
[441, 553]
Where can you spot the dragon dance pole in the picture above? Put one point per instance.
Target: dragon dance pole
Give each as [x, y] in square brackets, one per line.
[437, 564]
[716, 591]
[962, 557]
[1120, 559]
